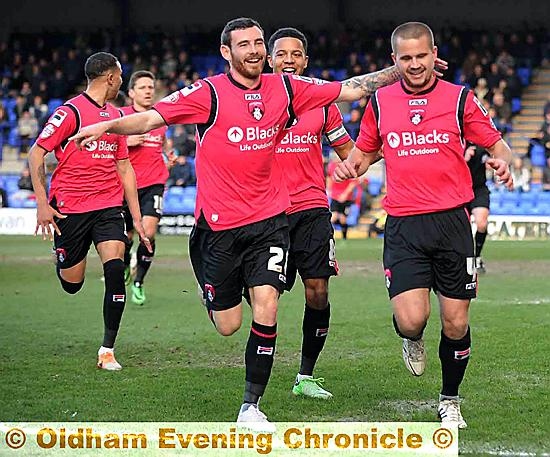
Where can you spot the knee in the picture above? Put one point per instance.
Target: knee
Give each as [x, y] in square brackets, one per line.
[455, 328]
[317, 296]
[69, 287]
[410, 326]
[227, 329]
[226, 325]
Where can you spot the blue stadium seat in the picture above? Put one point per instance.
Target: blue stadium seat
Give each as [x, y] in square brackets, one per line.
[537, 154]
[53, 104]
[528, 198]
[516, 105]
[353, 216]
[544, 197]
[542, 209]
[524, 74]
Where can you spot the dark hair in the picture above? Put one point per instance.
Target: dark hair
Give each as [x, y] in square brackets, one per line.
[120, 99]
[139, 74]
[240, 23]
[286, 32]
[410, 30]
[98, 64]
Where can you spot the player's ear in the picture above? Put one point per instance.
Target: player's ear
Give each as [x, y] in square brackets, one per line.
[225, 51]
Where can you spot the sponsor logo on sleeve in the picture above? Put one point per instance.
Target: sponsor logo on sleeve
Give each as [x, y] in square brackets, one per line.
[58, 117]
[480, 106]
[191, 88]
[48, 131]
[104, 114]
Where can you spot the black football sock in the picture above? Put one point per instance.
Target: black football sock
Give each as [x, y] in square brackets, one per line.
[144, 260]
[127, 252]
[480, 241]
[315, 328]
[454, 356]
[114, 300]
[260, 350]
[344, 231]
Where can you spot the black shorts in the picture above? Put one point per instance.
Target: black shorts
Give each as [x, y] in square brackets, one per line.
[252, 255]
[342, 208]
[150, 204]
[311, 250]
[481, 198]
[434, 250]
[78, 231]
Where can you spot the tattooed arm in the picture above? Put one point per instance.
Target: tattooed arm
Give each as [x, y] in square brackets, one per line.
[365, 85]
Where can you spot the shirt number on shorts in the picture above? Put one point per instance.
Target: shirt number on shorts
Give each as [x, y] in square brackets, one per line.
[157, 203]
[274, 263]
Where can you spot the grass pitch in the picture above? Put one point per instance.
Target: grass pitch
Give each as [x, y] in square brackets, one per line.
[177, 368]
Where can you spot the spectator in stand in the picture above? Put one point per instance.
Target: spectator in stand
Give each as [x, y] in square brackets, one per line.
[481, 90]
[181, 174]
[25, 182]
[39, 110]
[502, 107]
[184, 139]
[27, 129]
[521, 175]
[354, 123]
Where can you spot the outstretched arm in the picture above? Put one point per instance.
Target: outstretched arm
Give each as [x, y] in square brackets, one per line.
[365, 85]
[128, 125]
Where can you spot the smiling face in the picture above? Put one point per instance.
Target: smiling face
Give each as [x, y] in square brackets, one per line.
[415, 59]
[288, 56]
[246, 54]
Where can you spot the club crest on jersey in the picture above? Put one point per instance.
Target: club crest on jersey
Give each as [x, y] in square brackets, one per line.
[210, 292]
[61, 255]
[387, 275]
[416, 116]
[256, 109]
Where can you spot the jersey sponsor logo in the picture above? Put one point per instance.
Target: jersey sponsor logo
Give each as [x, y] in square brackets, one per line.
[306, 138]
[210, 292]
[414, 139]
[190, 89]
[480, 106]
[252, 97]
[461, 355]
[235, 134]
[416, 116]
[48, 131]
[58, 117]
[101, 146]
[104, 114]
[256, 109]
[418, 102]
[264, 350]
